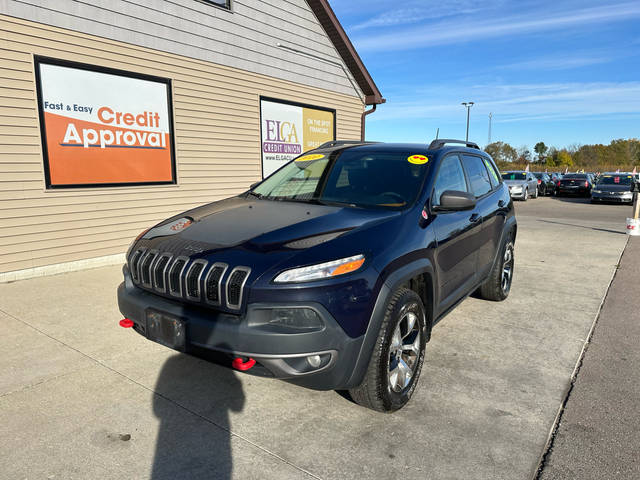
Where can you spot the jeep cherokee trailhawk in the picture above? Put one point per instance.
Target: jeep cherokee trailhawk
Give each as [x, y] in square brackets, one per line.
[331, 272]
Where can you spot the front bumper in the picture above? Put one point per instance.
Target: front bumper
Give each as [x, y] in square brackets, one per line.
[626, 197]
[279, 355]
[517, 194]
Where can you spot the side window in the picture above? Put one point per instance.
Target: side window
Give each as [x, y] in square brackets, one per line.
[478, 175]
[493, 174]
[450, 177]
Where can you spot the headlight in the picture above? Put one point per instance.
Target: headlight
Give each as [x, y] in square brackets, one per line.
[596, 191]
[321, 270]
[517, 187]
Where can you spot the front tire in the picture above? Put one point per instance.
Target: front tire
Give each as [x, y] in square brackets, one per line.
[525, 196]
[398, 354]
[497, 287]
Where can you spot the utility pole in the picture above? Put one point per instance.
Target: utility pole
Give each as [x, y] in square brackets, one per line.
[468, 105]
[490, 117]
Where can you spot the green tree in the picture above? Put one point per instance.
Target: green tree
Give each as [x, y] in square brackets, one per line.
[564, 159]
[501, 152]
[541, 150]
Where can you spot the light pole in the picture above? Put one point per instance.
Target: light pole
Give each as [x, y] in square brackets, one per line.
[490, 117]
[468, 105]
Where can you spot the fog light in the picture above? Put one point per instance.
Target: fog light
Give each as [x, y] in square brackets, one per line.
[314, 360]
[285, 320]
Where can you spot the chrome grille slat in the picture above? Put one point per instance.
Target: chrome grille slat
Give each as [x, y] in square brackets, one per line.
[134, 263]
[193, 278]
[159, 271]
[175, 276]
[213, 283]
[235, 286]
[144, 268]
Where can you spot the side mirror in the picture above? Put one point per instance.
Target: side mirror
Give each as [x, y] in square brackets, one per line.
[452, 200]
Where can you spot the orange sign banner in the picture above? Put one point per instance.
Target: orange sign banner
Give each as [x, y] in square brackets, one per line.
[104, 127]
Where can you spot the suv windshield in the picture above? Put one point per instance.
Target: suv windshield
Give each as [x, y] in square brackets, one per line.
[514, 176]
[615, 180]
[352, 178]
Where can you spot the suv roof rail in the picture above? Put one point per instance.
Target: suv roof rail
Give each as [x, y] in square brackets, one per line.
[337, 143]
[436, 144]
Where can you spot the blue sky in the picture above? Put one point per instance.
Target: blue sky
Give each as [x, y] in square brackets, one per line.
[565, 72]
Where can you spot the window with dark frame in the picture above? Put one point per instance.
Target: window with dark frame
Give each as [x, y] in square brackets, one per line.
[220, 3]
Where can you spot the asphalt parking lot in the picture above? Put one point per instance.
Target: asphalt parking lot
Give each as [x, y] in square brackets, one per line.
[82, 398]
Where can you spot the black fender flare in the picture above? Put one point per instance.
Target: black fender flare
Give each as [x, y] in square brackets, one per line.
[390, 284]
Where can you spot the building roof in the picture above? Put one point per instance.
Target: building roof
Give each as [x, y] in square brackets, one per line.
[345, 48]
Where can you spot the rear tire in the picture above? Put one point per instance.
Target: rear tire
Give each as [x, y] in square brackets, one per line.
[498, 285]
[398, 354]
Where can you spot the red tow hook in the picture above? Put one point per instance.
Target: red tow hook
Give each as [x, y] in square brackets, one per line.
[241, 365]
[126, 323]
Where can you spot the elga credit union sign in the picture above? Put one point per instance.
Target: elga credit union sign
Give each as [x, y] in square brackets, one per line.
[104, 127]
[289, 129]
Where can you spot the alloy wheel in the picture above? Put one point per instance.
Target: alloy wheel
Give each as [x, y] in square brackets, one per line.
[404, 352]
[507, 268]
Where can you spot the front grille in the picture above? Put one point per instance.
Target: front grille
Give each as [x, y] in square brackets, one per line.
[235, 285]
[196, 280]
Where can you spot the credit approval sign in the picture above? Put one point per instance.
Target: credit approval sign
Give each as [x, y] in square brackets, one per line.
[289, 129]
[104, 127]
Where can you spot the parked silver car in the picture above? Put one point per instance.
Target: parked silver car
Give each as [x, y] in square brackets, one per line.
[522, 185]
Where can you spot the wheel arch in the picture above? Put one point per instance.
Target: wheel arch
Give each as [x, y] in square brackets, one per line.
[418, 274]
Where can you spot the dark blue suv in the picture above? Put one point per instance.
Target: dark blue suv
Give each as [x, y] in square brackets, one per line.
[331, 272]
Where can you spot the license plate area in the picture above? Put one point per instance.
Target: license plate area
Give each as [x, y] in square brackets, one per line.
[166, 329]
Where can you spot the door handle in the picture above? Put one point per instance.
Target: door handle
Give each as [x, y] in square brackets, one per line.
[475, 218]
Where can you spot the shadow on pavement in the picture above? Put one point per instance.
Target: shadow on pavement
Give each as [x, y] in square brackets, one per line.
[572, 199]
[583, 226]
[192, 401]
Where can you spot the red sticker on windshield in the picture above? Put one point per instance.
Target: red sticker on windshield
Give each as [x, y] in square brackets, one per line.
[616, 180]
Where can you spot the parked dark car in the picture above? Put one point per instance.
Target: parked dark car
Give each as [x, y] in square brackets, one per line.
[613, 187]
[331, 272]
[545, 184]
[575, 184]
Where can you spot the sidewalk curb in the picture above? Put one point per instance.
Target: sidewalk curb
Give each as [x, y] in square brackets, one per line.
[548, 447]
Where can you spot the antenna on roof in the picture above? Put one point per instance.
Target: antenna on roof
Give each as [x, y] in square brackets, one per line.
[437, 133]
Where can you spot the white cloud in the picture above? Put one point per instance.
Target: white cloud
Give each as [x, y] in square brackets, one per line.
[457, 31]
[518, 102]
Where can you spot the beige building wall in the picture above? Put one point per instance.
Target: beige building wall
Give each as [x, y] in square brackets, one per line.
[217, 138]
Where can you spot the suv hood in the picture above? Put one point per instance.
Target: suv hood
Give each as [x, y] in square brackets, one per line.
[266, 224]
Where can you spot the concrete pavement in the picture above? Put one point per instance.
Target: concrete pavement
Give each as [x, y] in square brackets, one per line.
[599, 433]
[82, 398]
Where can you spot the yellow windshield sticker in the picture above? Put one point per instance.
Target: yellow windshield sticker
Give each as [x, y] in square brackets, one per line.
[417, 159]
[309, 158]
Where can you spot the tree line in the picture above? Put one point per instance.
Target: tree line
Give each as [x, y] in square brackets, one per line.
[623, 154]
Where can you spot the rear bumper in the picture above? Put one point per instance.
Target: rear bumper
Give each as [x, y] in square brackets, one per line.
[279, 355]
[573, 190]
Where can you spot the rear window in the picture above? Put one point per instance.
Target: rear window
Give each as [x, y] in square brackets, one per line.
[514, 176]
[580, 176]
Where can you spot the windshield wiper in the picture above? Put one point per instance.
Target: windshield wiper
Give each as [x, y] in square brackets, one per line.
[254, 194]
